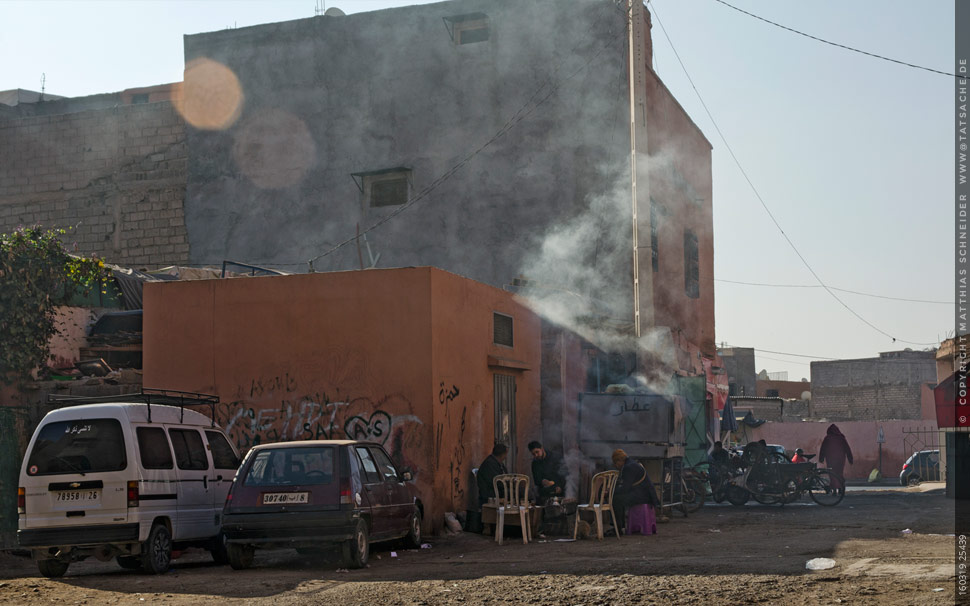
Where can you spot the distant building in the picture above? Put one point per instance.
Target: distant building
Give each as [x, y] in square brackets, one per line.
[739, 364]
[888, 387]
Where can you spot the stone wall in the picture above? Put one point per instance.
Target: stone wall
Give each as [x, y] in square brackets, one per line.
[116, 175]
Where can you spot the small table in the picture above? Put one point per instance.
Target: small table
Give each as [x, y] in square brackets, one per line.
[490, 514]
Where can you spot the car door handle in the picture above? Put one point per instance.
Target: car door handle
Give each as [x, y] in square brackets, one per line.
[205, 482]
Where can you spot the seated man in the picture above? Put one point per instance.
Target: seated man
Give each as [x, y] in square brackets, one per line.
[493, 465]
[633, 487]
[547, 472]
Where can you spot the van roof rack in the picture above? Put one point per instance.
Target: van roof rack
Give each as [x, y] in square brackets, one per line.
[149, 397]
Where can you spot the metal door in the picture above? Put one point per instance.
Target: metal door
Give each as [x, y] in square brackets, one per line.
[505, 415]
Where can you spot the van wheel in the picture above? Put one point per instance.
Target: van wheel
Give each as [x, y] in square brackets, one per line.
[240, 556]
[52, 568]
[357, 549]
[413, 538]
[218, 550]
[129, 562]
[156, 554]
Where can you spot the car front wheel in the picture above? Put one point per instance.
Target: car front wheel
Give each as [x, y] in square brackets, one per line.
[413, 538]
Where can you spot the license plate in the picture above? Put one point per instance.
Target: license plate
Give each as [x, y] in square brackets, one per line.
[285, 498]
[82, 496]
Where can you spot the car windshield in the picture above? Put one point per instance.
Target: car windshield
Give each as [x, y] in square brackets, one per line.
[89, 446]
[291, 466]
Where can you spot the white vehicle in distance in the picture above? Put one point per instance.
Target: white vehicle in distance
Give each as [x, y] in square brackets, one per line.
[132, 477]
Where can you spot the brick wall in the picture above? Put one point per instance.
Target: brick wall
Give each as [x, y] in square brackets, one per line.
[118, 174]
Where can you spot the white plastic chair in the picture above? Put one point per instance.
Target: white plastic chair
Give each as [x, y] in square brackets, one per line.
[600, 502]
[514, 497]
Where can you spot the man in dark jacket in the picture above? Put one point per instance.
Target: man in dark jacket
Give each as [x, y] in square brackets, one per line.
[493, 465]
[835, 452]
[633, 487]
[547, 472]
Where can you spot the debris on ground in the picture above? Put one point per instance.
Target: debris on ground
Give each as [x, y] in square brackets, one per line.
[820, 564]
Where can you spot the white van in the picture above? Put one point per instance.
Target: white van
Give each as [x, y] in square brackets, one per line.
[132, 480]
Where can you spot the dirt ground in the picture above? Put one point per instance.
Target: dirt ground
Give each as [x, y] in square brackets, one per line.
[721, 555]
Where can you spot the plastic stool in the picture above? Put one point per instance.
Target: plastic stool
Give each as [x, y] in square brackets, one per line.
[641, 519]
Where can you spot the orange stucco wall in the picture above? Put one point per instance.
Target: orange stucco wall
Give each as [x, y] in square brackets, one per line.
[347, 354]
[464, 424]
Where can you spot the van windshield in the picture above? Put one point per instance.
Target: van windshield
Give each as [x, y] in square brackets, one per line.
[89, 446]
[291, 466]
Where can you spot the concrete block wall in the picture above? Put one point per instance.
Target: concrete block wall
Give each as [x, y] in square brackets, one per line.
[887, 387]
[116, 175]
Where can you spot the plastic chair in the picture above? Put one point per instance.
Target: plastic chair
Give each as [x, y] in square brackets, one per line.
[600, 502]
[515, 487]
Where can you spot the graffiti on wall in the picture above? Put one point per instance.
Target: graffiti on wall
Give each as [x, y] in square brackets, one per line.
[458, 457]
[318, 416]
[447, 395]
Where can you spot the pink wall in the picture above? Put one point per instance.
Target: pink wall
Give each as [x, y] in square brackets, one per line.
[861, 436]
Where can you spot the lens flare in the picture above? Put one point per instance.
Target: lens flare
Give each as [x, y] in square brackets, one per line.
[212, 97]
[274, 149]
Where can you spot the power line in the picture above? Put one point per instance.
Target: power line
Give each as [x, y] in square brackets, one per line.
[760, 199]
[854, 292]
[855, 50]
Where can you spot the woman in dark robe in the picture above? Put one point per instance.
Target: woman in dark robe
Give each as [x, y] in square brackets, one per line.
[633, 487]
[834, 453]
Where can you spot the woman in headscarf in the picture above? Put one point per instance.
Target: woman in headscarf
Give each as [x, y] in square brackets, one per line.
[633, 487]
[834, 453]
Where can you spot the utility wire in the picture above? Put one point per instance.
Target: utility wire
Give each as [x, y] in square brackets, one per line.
[854, 292]
[855, 50]
[760, 199]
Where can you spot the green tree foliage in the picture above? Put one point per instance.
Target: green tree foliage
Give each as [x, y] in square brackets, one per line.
[36, 274]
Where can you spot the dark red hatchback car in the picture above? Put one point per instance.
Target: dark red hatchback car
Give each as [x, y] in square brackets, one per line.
[313, 495]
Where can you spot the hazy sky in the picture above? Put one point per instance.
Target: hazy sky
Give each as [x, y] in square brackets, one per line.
[851, 154]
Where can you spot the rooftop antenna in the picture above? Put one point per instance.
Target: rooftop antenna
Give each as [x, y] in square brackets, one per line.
[43, 84]
[319, 7]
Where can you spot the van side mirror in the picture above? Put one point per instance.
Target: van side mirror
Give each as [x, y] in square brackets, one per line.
[407, 476]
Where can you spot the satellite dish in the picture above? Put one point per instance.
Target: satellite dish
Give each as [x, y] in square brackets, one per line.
[334, 12]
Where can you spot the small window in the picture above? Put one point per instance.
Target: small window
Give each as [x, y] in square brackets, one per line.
[771, 393]
[370, 468]
[691, 265]
[502, 329]
[389, 188]
[384, 465]
[139, 98]
[468, 29]
[223, 456]
[153, 448]
[189, 450]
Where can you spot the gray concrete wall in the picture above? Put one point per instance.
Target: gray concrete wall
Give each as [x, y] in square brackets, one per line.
[330, 96]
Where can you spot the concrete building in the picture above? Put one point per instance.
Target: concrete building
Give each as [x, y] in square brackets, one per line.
[738, 362]
[888, 387]
[433, 366]
[485, 133]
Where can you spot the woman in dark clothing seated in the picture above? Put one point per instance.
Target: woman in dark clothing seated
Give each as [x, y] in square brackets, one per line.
[633, 488]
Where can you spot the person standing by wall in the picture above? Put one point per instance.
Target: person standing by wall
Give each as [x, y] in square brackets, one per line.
[834, 453]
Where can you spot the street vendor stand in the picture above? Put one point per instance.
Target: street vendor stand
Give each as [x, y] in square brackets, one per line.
[649, 427]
